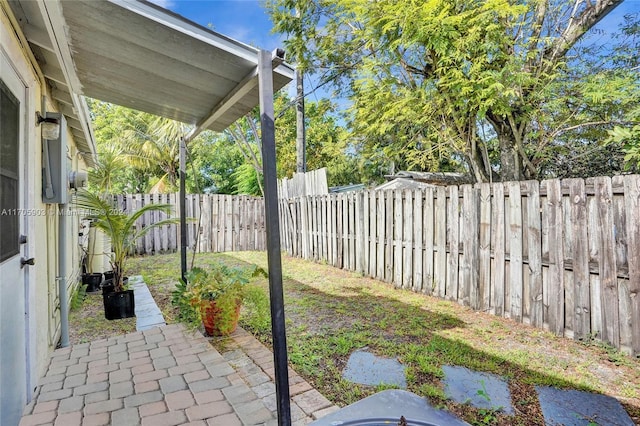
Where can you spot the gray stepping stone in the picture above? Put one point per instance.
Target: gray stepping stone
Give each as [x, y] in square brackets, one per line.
[577, 408]
[135, 279]
[148, 315]
[367, 369]
[481, 390]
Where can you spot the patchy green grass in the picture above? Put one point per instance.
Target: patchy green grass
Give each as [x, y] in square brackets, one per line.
[331, 312]
[87, 321]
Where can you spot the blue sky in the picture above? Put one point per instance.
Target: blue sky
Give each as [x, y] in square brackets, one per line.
[247, 21]
[244, 20]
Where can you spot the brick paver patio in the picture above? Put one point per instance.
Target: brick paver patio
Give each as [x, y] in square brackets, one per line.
[166, 376]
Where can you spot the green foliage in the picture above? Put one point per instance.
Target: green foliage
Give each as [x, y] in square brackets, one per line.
[181, 300]
[118, 226]
[256, 316]
[213, 160]
[139, 152]
[78, 298]
[247, 180]
[225, 285]
[487, 87]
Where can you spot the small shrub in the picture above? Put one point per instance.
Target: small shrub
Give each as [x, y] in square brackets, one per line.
[78, 298]
[256, 316]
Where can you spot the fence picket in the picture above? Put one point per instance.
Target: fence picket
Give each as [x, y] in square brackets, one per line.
[556, 257]
[428, 215]
[453, 234]
[389, 230]
[440, 271]
[373, 232]
[607, 265]
[632, 207]
[484, 278]
[407, 238]
[470, 265]
[515, 253]
[558, 254]
[580, 264]
[418, 241]
[381, 235]
[397, 238]
[534, 253]
[498, 244]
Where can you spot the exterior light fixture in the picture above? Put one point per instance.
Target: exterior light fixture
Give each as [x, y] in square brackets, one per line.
[50, 126]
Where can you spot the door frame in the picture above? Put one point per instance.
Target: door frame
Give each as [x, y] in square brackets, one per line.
[21, 66]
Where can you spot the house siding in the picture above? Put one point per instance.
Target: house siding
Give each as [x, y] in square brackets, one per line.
[42, 310]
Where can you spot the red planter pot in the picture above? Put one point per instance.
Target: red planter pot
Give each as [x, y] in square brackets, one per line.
[213, 324]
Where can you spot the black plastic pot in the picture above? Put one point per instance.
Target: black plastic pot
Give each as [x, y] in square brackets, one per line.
[108, 275]
[92, 281]
[107, 286]
[118, 305]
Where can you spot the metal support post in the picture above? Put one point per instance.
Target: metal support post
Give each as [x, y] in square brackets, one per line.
[265, 78]
[183, 210]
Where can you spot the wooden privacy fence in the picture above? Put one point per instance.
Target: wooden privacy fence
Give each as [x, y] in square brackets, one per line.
[221, 222]
[563, 255]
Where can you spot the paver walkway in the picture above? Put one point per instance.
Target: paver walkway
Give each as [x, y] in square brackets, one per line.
[163, 376]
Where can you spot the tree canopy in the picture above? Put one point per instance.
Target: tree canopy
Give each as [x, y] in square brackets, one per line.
[139, 152]
[497, 88]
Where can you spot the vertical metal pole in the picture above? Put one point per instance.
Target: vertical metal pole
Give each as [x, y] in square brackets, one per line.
[265, 79]
[62, 278]
[301, 137]
[183, 211]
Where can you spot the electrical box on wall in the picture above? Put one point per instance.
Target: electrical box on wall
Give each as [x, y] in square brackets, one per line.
[55, 164]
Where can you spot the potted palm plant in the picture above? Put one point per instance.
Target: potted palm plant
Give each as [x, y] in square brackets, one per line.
[120, 228]
[214, 297]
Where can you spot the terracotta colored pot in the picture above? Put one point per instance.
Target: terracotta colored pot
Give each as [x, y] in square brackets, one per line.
[211, 319]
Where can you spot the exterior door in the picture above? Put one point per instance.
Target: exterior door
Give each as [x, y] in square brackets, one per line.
[13, 278]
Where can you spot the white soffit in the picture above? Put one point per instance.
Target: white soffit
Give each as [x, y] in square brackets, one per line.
[139, 55]
[136, 54]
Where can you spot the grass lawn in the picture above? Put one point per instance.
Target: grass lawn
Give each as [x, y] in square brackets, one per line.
[87, 322]
[331, 312]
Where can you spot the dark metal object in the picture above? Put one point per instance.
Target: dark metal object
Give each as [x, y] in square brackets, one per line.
[24, 262]
[390, 407]
[183, 211]
[265, 80]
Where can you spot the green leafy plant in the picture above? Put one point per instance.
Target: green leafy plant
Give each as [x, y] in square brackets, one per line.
[78, 298]
[256, 316]
[119, 226]
[225, 286]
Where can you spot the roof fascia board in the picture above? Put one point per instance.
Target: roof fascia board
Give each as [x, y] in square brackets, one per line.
[184, 26]
[54, 22]
[51, 12]
[238, 92]
[38, 37]
[85, 121]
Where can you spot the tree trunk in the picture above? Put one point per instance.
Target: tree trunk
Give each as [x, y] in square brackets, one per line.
[301, 160]
[510, 161]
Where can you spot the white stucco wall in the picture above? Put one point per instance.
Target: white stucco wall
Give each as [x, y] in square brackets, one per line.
[42, 223]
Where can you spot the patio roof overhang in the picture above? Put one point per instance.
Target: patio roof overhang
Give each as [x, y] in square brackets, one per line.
[136, 54]
[139, 55]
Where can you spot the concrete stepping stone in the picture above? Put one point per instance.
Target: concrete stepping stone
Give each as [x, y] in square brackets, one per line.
[148, 315]
[481, 390]
[368, 369]
[577, 408]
